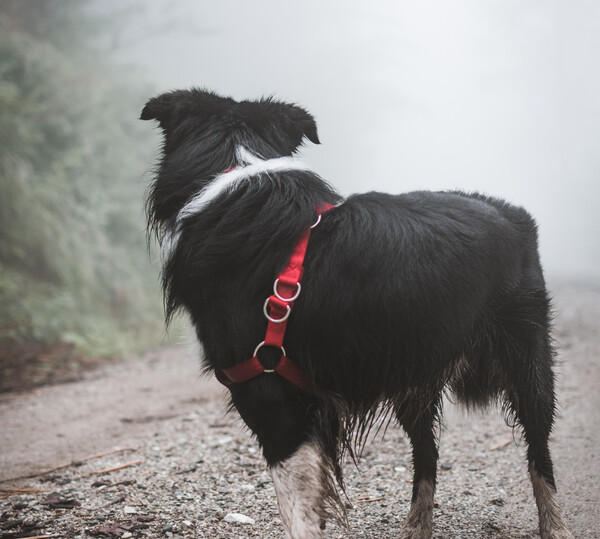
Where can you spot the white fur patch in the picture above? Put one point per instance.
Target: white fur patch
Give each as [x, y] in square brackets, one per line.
[419, 521]
[304, 493]
[225, 183]
[228, 181]
[552, 525]
[169, 243]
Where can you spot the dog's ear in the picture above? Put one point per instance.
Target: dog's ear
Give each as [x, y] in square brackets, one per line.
[161, 108]
[280, 123]
[307, 123]
[298, 120]
[173, 107]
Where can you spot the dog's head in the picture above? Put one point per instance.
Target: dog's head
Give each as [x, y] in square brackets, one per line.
[202, 133]
[272, 127]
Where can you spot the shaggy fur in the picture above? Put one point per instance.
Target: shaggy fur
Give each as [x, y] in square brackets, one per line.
[403, 297]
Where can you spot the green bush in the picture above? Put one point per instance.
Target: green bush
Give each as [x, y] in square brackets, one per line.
[74, 265]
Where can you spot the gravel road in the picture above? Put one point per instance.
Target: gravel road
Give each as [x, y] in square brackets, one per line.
[188, 466]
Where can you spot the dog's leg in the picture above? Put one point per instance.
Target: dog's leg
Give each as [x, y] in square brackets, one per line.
[285, 419]
[303, 485]
[533, 401]
[534, 405]
[417, 417]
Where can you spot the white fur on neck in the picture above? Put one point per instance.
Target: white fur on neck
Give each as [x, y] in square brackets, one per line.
[228, 181]
[225, 183]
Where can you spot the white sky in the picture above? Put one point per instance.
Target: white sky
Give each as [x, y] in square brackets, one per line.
[498, 96]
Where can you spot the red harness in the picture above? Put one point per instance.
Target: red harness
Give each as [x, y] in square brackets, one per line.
[277, 309]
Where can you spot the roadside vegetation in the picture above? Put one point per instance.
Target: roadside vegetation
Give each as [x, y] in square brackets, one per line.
[75, 272]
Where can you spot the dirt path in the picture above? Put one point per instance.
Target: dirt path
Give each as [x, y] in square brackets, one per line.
[194, 464]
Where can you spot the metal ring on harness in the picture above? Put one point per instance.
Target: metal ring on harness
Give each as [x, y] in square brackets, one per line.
[293, 298]
[260, 345]
[276, 320]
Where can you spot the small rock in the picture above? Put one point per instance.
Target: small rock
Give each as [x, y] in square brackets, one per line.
[238, 518]
[126, 535]
[222, 441]
[446, 466]
[129, 510]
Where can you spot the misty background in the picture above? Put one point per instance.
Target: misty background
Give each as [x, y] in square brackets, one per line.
[495, 96]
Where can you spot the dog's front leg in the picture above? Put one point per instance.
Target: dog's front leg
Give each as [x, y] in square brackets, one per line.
[286, 423]
[303, 485]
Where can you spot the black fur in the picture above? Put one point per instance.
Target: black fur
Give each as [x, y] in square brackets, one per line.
[403, 296]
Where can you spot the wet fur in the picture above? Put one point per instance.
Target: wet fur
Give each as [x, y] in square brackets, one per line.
[404, 297]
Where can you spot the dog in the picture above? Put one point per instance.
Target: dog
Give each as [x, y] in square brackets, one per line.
[402, 298]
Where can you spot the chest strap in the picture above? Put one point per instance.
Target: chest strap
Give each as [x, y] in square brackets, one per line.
[277, 309]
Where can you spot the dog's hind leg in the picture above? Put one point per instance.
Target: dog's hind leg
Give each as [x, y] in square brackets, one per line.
[418, 415]
[528, 358]
[288, 423]
[533, 402]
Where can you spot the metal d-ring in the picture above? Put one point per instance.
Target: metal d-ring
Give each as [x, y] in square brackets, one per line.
[317, 221]
[260, 345]
[275, 320]
[293, 298]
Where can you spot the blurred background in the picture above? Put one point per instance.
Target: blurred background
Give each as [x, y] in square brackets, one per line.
[496, 96]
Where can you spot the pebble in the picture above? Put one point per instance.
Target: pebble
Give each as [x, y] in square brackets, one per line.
[239, 518]
[222, 441]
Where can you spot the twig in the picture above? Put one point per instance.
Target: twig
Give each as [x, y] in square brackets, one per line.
[501, 445]
[115, 468]
[38, 536]
[365, 499]
[106, 453]
[6, 492]
[24, 490]
[75, 462]
[15, 396]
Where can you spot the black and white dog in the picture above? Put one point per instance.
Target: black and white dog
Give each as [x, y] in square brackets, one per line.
[402, 298]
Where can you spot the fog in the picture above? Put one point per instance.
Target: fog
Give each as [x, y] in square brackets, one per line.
[495, 96]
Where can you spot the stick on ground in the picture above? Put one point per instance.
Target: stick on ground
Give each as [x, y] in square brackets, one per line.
[75, 462]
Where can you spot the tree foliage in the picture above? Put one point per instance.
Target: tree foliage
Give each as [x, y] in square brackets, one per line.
[73, 257]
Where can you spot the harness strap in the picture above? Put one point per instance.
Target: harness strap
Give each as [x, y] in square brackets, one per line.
[277, 309]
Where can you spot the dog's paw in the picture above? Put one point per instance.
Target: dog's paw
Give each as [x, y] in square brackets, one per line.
[415, 531]
[562, 533]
